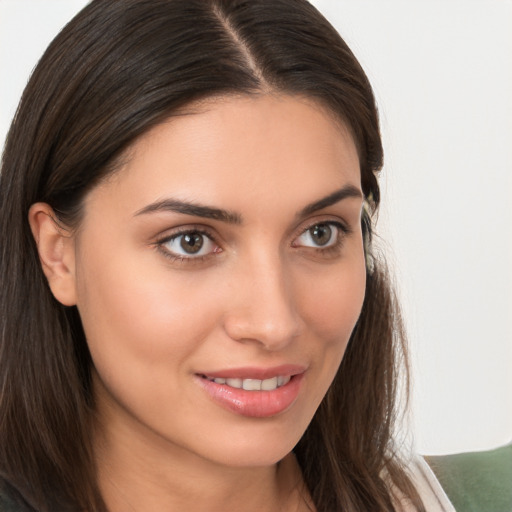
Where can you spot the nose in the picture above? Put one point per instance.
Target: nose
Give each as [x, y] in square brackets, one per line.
[262, 307]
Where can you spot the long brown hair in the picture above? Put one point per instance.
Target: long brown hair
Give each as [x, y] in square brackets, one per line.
[116, 70]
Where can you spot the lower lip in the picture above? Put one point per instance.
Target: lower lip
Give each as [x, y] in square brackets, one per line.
[254, 404]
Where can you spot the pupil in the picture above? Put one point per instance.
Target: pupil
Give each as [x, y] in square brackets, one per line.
[321, 234]
[191, 243]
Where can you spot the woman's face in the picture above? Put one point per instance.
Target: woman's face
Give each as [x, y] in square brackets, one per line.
[226, 254]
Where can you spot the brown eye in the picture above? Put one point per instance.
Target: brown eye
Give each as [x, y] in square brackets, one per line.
[321, 235]
[190, 244]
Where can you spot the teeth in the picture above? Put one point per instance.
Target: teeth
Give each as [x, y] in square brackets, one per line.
[254, 384]
[234, 383]
[269, 384]
[281, 381]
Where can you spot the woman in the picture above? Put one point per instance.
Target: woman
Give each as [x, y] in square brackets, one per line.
[193, 315]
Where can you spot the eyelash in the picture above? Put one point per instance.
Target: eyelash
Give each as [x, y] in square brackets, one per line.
[342, 230]
[182, 232]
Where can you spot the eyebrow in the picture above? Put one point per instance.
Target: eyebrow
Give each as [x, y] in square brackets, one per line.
[230, 217]
[337, 196]
[197, 210]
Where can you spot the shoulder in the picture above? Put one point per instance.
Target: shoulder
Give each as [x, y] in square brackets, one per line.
[9, 501]
[428, 487]
[8, 505]
[477, 481]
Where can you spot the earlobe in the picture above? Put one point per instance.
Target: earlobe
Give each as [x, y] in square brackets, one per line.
[56, 247]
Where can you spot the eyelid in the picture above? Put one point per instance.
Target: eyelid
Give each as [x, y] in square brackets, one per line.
[342, 229]
[337, 222]
[184, 230]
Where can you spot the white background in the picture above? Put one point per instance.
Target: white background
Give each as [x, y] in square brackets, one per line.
[442, 74]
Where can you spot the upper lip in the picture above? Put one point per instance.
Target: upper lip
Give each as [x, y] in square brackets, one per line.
[254, 372]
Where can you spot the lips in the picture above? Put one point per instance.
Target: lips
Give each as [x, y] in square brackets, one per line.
[254, 392]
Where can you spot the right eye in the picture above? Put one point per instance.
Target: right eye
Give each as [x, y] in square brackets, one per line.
[189, 245]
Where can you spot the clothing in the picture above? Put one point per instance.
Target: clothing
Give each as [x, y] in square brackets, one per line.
[10, 501]
[432, 494]
[478, 481]
[7, 505]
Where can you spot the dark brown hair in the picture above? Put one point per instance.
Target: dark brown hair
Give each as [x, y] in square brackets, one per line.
[116, 70]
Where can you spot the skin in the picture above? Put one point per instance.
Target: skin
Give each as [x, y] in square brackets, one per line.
[262, 293]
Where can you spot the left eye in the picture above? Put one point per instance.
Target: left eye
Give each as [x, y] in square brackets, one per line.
[191, 244]
[320, 235]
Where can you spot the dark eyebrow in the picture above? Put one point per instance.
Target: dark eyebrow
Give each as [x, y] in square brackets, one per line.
[208, 212]
[336, 196]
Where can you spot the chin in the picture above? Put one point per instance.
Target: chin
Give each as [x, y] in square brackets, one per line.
[262, 445]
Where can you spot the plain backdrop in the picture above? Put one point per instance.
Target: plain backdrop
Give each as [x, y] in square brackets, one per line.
[442, 75]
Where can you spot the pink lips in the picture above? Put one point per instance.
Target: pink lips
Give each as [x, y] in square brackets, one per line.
[255, 404]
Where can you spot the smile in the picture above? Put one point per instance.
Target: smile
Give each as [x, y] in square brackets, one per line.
[253, 384]
[254, 392]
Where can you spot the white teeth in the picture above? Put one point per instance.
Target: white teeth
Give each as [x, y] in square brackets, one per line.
[253, 384]
[269, 384]
[281, 381]
[234, 383]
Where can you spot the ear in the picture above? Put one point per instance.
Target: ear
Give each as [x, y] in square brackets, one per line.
[56, 247]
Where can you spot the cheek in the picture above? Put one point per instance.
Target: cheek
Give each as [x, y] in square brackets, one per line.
[135, 316]
[143, 332]
[332, 304]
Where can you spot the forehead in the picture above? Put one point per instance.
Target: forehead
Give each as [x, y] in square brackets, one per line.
[239, 148]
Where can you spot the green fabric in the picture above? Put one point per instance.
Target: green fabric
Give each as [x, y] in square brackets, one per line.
[476, 482]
